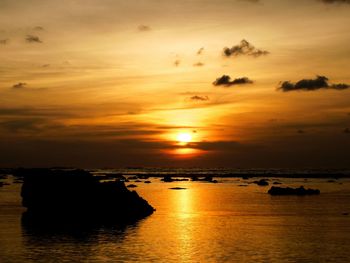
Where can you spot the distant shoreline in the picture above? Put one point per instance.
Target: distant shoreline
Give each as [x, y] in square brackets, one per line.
[197, 172]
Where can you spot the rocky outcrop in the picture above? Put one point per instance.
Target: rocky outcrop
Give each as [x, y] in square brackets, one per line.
[76, 195]
[292, 191]
[261, 182]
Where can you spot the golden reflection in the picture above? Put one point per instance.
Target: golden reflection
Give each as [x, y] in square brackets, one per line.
[185, 152]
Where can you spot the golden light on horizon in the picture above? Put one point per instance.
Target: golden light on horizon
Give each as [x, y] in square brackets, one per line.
[184, 138]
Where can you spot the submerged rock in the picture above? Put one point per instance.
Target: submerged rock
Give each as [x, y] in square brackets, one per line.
[76, 195]
[177, 188]
[262, 182]
[274, 190]
[167, 179]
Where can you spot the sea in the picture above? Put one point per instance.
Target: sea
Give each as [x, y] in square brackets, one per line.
[233, 220]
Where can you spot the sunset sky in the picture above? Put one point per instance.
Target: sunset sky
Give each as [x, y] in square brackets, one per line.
[225, 83]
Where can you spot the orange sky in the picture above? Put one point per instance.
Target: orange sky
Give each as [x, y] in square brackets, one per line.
[96, 83]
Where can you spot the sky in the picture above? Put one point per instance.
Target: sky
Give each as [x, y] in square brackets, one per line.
[195, 83]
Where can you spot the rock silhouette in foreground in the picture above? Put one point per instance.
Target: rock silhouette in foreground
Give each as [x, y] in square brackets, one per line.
[292, 191]
[77, 196]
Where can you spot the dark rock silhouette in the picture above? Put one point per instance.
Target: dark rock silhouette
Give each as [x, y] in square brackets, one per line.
[147, 182]
[262, 182]
[205, 179]
[167, 179]
[76, 195]
[274, 190]
[177, 188]
[132, 186]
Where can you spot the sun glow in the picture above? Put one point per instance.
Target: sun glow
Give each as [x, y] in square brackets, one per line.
[184, 138]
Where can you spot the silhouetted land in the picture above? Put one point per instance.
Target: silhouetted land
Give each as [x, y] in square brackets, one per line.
[77, 197]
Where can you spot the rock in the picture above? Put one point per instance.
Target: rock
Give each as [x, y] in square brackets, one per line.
[76, 195]
[148, 182]
[138, 181]
[274, 190]
[261, 182]
[132, 186]
[167, 179]
[177, 188]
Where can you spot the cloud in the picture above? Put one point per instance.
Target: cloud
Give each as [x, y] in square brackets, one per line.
[200, 51]
[28, 124]
[335, 1]
[250, 1]
[4, 41]
[33, 39]
[38, 28]
[225, 80]
[244, 49]
[144, 28]
[19, 85]
[320, 82]
[198, 64]
[199, 98]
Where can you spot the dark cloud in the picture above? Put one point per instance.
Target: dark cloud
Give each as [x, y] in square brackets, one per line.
[198, 64]
[225, 80]
[320, 82]
[244, 48]
[4, 41]
[200, 51]
[26, 124]
[38, 28]
[250, 1]
[199, 98]
[144, 28]
[33, 39]
[19, 85]
[335, 1]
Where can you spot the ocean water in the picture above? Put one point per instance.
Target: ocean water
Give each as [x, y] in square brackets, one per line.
[206, 222]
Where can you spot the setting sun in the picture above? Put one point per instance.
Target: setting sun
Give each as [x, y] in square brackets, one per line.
[184, 137]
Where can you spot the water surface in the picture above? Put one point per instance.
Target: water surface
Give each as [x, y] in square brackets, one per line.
[223, 222]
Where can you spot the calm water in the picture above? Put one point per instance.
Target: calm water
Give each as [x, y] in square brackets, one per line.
[221, 222]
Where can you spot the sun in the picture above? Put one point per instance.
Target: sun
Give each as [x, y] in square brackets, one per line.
[184, 138]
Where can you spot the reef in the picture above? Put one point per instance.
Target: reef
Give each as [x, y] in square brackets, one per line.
[78, 196]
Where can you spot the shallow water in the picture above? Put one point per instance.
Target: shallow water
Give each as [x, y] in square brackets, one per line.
[206, 222]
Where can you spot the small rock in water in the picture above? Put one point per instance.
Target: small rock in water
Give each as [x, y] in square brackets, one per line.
[177, 188]
[262, 182]
[274, 190]
[132, 186]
